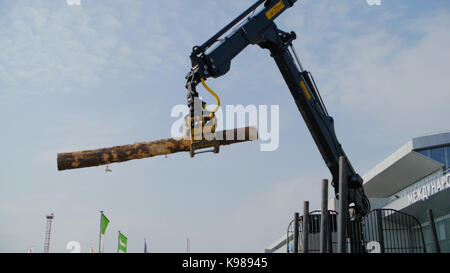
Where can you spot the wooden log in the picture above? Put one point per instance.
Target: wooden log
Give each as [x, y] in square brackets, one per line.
[105, 156]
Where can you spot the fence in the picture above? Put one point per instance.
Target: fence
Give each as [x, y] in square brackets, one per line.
[314, 232]
[391, 231]
[381, 231]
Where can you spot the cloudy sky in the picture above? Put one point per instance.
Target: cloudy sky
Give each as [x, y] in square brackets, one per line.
[108, 72]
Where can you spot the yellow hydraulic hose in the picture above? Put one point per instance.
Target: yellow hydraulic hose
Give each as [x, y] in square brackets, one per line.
[212, 93]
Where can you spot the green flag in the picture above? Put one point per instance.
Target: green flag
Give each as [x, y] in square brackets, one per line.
[105, 222]
[122, 242]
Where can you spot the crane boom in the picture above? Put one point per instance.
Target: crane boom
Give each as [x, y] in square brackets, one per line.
[261, 30]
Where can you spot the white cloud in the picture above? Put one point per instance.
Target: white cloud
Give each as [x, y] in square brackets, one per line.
[385, 66]
[403, 83]
[50, 47]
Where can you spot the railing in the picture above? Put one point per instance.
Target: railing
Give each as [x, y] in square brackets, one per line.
[391, 231]
[381, 231]
[314, 219]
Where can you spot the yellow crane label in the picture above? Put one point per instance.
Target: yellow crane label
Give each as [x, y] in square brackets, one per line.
[275, 10]
[305, 90]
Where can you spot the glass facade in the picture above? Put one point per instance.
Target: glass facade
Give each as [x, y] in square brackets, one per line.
[447, 156]
[440, 154]
[426, 152]
[443, 233]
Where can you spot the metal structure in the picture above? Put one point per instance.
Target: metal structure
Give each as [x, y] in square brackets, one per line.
[437, 247]
[381, 231]
[390, 231]
[213, 59]
[305, 225]
[324, 217]
[48, 231]
[343, 205]
[296, 232]
[314, 228]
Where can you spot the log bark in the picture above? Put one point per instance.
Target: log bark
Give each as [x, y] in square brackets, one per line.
[105, 156]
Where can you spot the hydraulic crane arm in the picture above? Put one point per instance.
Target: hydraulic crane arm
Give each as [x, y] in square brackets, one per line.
[261, 30]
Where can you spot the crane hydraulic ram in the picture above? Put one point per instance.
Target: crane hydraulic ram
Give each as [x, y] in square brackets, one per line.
[260, 29]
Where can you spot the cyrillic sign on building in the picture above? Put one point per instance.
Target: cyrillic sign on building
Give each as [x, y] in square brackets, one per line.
[424, 192]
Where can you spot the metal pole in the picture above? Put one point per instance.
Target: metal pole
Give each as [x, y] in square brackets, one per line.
[437, 248]
[324, 217]
[100, 233]
[48, 231]
[343, 205]
[296, 58]
[213, 39]
[380, 230]
[296, 231]
[305, 229]
[118, 241]
[330, 228]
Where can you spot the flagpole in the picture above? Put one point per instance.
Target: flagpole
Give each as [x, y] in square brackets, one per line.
[118, 241]
[100, 234]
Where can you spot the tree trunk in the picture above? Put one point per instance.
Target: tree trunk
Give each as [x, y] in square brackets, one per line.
[105, 156]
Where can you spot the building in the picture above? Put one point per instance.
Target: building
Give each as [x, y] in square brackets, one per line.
[412, 180]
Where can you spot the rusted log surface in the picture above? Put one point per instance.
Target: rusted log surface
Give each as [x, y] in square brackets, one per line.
[104, 156]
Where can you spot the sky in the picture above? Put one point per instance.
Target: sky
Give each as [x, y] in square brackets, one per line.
[109, 72]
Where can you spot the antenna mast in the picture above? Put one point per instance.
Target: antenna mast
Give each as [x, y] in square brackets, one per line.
[48, 230]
